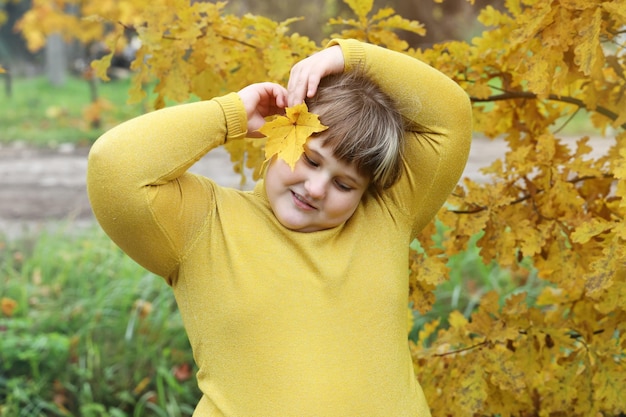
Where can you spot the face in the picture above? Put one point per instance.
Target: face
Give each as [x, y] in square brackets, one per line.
[320, 193]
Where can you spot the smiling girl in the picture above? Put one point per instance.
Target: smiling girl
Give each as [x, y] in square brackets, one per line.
[294, 294]
[342, 163]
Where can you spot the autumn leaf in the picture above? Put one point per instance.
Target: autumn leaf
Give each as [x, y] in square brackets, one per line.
[503, 371]
[422, 296]
[287, 135]
[587, 51]
[2, 70]
[8, 306]
[360, 7]
[472, 388]
[141, 386]
[102, 65]
[429, 329]
[410, 320]
[143, 308]
[92, 114]
[589, 229]
[182, 372]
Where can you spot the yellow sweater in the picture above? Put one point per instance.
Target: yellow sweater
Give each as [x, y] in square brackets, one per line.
[284, 324]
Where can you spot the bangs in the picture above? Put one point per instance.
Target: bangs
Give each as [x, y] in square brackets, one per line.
[364, 129]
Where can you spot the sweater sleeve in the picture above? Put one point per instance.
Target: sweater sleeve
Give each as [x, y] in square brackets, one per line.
[137, 180]
[438, 126]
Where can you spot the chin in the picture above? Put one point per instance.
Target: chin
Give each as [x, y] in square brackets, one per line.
[296, 227]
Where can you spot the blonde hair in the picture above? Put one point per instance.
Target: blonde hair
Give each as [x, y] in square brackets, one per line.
[364, 126]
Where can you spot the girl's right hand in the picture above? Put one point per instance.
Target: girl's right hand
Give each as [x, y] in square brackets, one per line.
[261, 100]
[306, 75]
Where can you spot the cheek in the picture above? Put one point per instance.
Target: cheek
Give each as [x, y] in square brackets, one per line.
[279, 172]
[344, 206]
[273, 176]
[278, 180]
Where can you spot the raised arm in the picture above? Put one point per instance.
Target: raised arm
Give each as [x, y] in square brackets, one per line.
[438, 130]
[137, 181]
[137, 177]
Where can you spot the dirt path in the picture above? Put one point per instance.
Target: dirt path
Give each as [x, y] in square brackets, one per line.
[42, 185]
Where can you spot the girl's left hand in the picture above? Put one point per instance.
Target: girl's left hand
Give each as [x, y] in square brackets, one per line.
[261, 100]
[305, 76]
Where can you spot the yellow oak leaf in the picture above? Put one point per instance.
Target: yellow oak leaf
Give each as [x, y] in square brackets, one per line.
[360, 7]
[429, 329]
[590, 229]
[421, 295]
[397, 22]
[287, 135]
[609, 386]
[620, 165]
[101, 66]
[503, 371]
[587, 51]
[604, 269]
[410, 319]
[472, 388]
[432, 270]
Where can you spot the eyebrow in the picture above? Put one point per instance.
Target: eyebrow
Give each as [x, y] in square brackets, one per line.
[355, 180]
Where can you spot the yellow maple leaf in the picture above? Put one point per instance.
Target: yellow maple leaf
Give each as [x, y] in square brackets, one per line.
[287, 135]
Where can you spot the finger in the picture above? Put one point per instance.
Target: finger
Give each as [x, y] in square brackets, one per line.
[280, 94]
[313, 83]
[298, 87]
[272, 98]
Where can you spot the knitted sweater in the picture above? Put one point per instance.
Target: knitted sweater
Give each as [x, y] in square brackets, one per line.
[282, 323]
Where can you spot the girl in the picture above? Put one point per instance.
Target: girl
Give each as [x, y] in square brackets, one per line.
[294, 294]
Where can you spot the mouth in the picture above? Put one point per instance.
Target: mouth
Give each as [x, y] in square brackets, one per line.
[302, 202]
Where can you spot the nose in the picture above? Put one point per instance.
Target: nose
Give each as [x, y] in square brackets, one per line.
[316, 186]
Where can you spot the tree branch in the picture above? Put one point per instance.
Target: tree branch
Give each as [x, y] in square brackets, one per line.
[452, 352]
[523, 198]
[512, 95]
[173, 38]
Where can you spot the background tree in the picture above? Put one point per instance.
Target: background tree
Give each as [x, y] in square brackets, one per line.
[7, 43]
[550, 203]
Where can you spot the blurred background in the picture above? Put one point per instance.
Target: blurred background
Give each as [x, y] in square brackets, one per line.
[449, 20]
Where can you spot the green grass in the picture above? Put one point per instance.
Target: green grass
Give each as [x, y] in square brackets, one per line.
[86, 330]
[41, 114]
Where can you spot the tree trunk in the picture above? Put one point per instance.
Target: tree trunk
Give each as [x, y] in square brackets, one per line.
[8, 82]
[56, 63]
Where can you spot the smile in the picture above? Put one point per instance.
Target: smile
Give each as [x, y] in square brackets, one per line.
[301, 202]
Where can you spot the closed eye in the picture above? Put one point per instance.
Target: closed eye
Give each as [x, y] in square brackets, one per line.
[309, 161]
[342, 187]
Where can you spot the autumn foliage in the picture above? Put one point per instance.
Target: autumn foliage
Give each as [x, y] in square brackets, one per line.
[549, 202]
